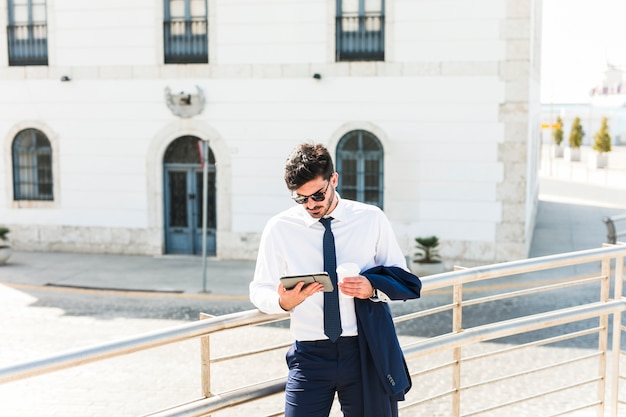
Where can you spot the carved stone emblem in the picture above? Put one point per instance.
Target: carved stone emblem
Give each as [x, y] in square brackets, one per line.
[185, 103]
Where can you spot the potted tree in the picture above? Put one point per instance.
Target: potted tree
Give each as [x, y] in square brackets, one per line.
[426, 260]
[575, 140]
[557, 136]
[5, 248]
[602, 145]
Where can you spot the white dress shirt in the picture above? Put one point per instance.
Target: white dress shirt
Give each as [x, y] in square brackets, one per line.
[291, 244]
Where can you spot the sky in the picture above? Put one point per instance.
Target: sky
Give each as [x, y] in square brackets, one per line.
[579, 37]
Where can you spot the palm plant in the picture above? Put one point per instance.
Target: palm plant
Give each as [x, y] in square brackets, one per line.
[4, 231]
[427, 249]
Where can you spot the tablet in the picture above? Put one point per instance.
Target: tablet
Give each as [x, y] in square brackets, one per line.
[290, 281]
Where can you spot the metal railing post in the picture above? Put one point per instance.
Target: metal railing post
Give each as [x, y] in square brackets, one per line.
[205, 356]
[617, 336]
[611, 236]
[612, 233]
[457, 327]
[603, 335]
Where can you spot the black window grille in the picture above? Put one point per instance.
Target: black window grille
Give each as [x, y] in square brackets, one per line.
[360, 166]
[32, 166]
[360, 30]
[185, 32]
[27, 32]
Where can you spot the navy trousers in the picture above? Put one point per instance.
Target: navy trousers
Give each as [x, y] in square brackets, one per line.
[317, 370]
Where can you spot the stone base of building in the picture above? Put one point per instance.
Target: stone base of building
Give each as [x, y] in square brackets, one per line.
[84, 239]
[119, 241]
[230, 245]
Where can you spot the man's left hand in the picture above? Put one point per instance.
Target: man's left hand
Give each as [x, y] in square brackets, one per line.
[358, 287]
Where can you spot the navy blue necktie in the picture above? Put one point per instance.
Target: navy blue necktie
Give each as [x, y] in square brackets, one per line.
[332, 319]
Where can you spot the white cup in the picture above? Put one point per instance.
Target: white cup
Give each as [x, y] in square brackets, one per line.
[347, 270]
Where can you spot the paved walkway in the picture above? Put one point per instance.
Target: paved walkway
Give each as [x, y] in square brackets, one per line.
[174, 274]
[568, 218]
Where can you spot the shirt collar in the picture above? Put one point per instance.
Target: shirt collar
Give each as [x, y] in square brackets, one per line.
[339, 213]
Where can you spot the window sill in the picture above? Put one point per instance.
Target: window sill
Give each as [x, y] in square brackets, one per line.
[34, 204]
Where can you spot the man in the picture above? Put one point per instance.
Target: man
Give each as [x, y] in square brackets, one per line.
[344, 344]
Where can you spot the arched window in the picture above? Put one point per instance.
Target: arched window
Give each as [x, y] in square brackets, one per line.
[32, 166]
[185, 150]
[360, 167]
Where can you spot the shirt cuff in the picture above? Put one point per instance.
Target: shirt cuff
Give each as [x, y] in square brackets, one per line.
[379, 296]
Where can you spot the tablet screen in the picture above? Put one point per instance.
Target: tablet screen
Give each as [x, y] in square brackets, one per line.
[291, 281]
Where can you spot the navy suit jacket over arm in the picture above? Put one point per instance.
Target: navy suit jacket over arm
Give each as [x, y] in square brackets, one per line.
[385, 375]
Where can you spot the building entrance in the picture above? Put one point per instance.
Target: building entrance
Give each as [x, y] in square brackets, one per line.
[183, 198]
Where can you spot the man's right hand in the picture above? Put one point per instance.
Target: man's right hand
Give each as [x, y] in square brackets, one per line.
[289, 299]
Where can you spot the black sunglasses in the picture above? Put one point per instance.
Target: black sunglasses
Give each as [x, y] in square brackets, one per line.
[318, 196]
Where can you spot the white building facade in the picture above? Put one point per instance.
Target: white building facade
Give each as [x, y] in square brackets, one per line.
[430, 108]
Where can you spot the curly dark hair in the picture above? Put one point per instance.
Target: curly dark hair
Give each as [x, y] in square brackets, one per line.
[307, 162]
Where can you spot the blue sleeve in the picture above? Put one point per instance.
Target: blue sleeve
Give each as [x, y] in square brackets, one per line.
[395, 282]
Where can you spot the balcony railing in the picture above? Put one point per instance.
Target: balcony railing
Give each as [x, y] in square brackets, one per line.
[186, 42]
[452, 368]
[360, 38]
[28, 44]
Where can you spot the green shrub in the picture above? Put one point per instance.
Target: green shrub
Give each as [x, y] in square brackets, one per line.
[427, 249]
[602, 138]
[557, 134]
[577, 134]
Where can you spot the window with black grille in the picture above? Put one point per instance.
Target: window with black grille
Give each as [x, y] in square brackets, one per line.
[185, 32]
[27, 32]
[360, 30]
[32, 166]
[360, 167]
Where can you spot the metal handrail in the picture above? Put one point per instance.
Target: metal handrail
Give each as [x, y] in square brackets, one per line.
[360, 38]
[451, 341]
[465, 276]
[134, 344]
[445, 342]
[228, 399]
[513, 326]
[186, 41]
[28, 44]
[613, 234]
[542, 342]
